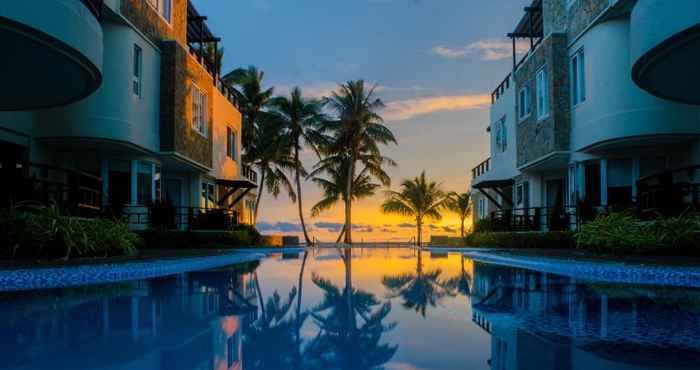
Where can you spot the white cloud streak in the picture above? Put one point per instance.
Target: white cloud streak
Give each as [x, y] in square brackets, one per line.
[487, 49]
[405, 109]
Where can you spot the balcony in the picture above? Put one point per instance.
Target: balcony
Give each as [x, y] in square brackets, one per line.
[665, 45]
[248, 173]
[481, 169]
[57, 46]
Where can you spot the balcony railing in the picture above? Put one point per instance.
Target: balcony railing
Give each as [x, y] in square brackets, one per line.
[536, 219]
[501, 89]
[481, 168]
[95, 7]
[249, 174]
[72, 192]
[165, 217]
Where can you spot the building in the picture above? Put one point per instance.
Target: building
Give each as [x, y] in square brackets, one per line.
[120, 105]
[599, 114]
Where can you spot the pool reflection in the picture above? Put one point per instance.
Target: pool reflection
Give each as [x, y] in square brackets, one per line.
[353, 309]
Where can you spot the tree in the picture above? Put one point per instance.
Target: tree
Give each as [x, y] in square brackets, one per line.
[461, 205]
[334, 186]
[270, 153]
[419, 198]
[301, 119]
[356, 135]
[246, 84]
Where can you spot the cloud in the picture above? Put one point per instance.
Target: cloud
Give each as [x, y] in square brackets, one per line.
[488, 49]
[284, 227]
[449, 229]
[330, 226]
[406, 109]
[406, 225]
[401, 366]
[315, 90]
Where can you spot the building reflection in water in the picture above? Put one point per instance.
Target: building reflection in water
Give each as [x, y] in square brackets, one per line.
[542, 321]
[187, 321]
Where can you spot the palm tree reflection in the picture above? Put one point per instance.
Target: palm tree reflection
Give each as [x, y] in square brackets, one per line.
[343, 342]
[461, 283]
[418, 290]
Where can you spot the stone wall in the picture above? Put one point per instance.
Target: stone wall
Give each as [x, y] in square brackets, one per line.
[179, 70]
[537, 138]
[147, 20]
[582, 13]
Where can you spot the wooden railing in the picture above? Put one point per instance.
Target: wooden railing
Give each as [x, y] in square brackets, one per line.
[481, 168]
[249, 173]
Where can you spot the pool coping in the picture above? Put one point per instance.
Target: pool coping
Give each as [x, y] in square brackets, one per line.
[70, 276]
[613, 272]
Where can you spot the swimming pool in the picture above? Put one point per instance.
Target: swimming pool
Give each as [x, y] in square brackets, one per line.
[393, 309]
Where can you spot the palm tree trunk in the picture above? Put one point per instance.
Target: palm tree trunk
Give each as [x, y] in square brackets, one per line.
[260, 191]
[348, 287]
[462, 229]
[260, 297]
[419, 226]
[340, 237]
[298, 180]
[301, 282]
[348, 200]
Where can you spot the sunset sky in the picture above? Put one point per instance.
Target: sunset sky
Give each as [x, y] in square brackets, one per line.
[435, 62]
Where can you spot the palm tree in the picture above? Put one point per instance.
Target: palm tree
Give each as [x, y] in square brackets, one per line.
[355, 136]
[461, 205]
[461, 283]
[246, 84]
[418, 198]
[334, 187]
[270, 153]
[418, 290]
[301, 119]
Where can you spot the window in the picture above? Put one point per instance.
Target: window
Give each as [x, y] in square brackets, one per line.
[578, 78]
[200, 107]
[231, 148]
[542, 93]
[208, 195]
[501, 134]
[524, 102]
[163, 7]
[137, 71]
[519, 194]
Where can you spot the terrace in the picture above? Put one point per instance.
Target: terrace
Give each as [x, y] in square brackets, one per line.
[204, 47]
[530, 27]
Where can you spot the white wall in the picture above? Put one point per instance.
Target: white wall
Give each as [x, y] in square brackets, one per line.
[503, 164]
[113, 111]
[615, 107]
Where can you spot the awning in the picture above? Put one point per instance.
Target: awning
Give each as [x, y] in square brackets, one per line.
[234, 186]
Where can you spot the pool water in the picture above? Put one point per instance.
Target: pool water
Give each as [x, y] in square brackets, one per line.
[393, 309]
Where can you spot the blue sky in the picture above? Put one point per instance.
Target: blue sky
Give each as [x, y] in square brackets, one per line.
[436, 62]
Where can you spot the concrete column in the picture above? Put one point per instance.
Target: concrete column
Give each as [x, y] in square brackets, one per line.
[603, 182]
[581, 180]
[134, 181]
[104, 173]
[635, 177]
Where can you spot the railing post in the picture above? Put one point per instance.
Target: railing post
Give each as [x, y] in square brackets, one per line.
[537, 219]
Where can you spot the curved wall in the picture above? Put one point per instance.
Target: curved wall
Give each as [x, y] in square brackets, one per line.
[113, 112]
[615, 108]
[665, 47]
[68, 21]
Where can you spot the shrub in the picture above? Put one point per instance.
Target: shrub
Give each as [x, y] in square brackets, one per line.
[37, 232]
[624, 233]
[239, 236]
[484, 225]
[521, 240]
